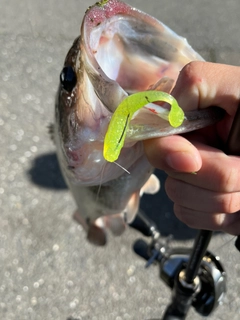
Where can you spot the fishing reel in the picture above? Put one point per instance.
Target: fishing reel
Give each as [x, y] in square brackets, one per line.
[196, 279]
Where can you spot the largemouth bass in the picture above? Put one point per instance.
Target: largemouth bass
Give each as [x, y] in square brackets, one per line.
[120, 51]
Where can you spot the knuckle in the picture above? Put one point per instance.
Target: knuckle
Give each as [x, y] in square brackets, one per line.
[190, 73]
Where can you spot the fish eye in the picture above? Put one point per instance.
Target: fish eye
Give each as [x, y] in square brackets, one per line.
[68, 78]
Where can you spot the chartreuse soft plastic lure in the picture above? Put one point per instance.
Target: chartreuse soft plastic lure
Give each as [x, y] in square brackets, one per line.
[118, 126]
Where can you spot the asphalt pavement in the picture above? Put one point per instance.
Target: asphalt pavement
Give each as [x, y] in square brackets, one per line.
[47, 268]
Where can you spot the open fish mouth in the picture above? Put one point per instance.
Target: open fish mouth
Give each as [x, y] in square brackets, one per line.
[130, 48]
[135, 55]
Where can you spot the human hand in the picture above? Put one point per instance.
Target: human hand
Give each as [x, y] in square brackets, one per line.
[209, 199]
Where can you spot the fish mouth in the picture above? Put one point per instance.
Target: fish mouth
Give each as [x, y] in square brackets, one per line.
[129, 51]
[120, 54]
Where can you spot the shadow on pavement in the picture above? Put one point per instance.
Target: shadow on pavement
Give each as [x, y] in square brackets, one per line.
[45, 172]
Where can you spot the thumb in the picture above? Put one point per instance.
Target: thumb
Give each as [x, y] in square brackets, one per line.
[173, 153]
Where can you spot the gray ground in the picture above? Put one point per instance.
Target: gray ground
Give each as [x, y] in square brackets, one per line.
[48, 270]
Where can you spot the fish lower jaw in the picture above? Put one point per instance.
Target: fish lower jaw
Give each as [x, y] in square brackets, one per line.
[89, 168]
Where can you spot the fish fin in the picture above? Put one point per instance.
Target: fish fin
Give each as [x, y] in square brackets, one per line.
[165, 84]
[132, 207]
[152, 186]
[115, 223]
[96, 235]
[97, 231]
[51, 131]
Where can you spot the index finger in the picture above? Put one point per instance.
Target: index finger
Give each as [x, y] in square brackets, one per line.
[219, 172]
[203, 84]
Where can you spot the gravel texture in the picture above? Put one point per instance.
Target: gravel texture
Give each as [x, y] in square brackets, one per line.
[48, 270]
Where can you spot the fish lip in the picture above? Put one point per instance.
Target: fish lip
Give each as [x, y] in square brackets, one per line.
[104, 86]
[96, 14]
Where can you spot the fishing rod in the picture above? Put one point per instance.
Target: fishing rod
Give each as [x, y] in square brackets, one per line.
[196, 277]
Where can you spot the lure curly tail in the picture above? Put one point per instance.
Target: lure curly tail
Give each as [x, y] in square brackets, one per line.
[119, 123]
